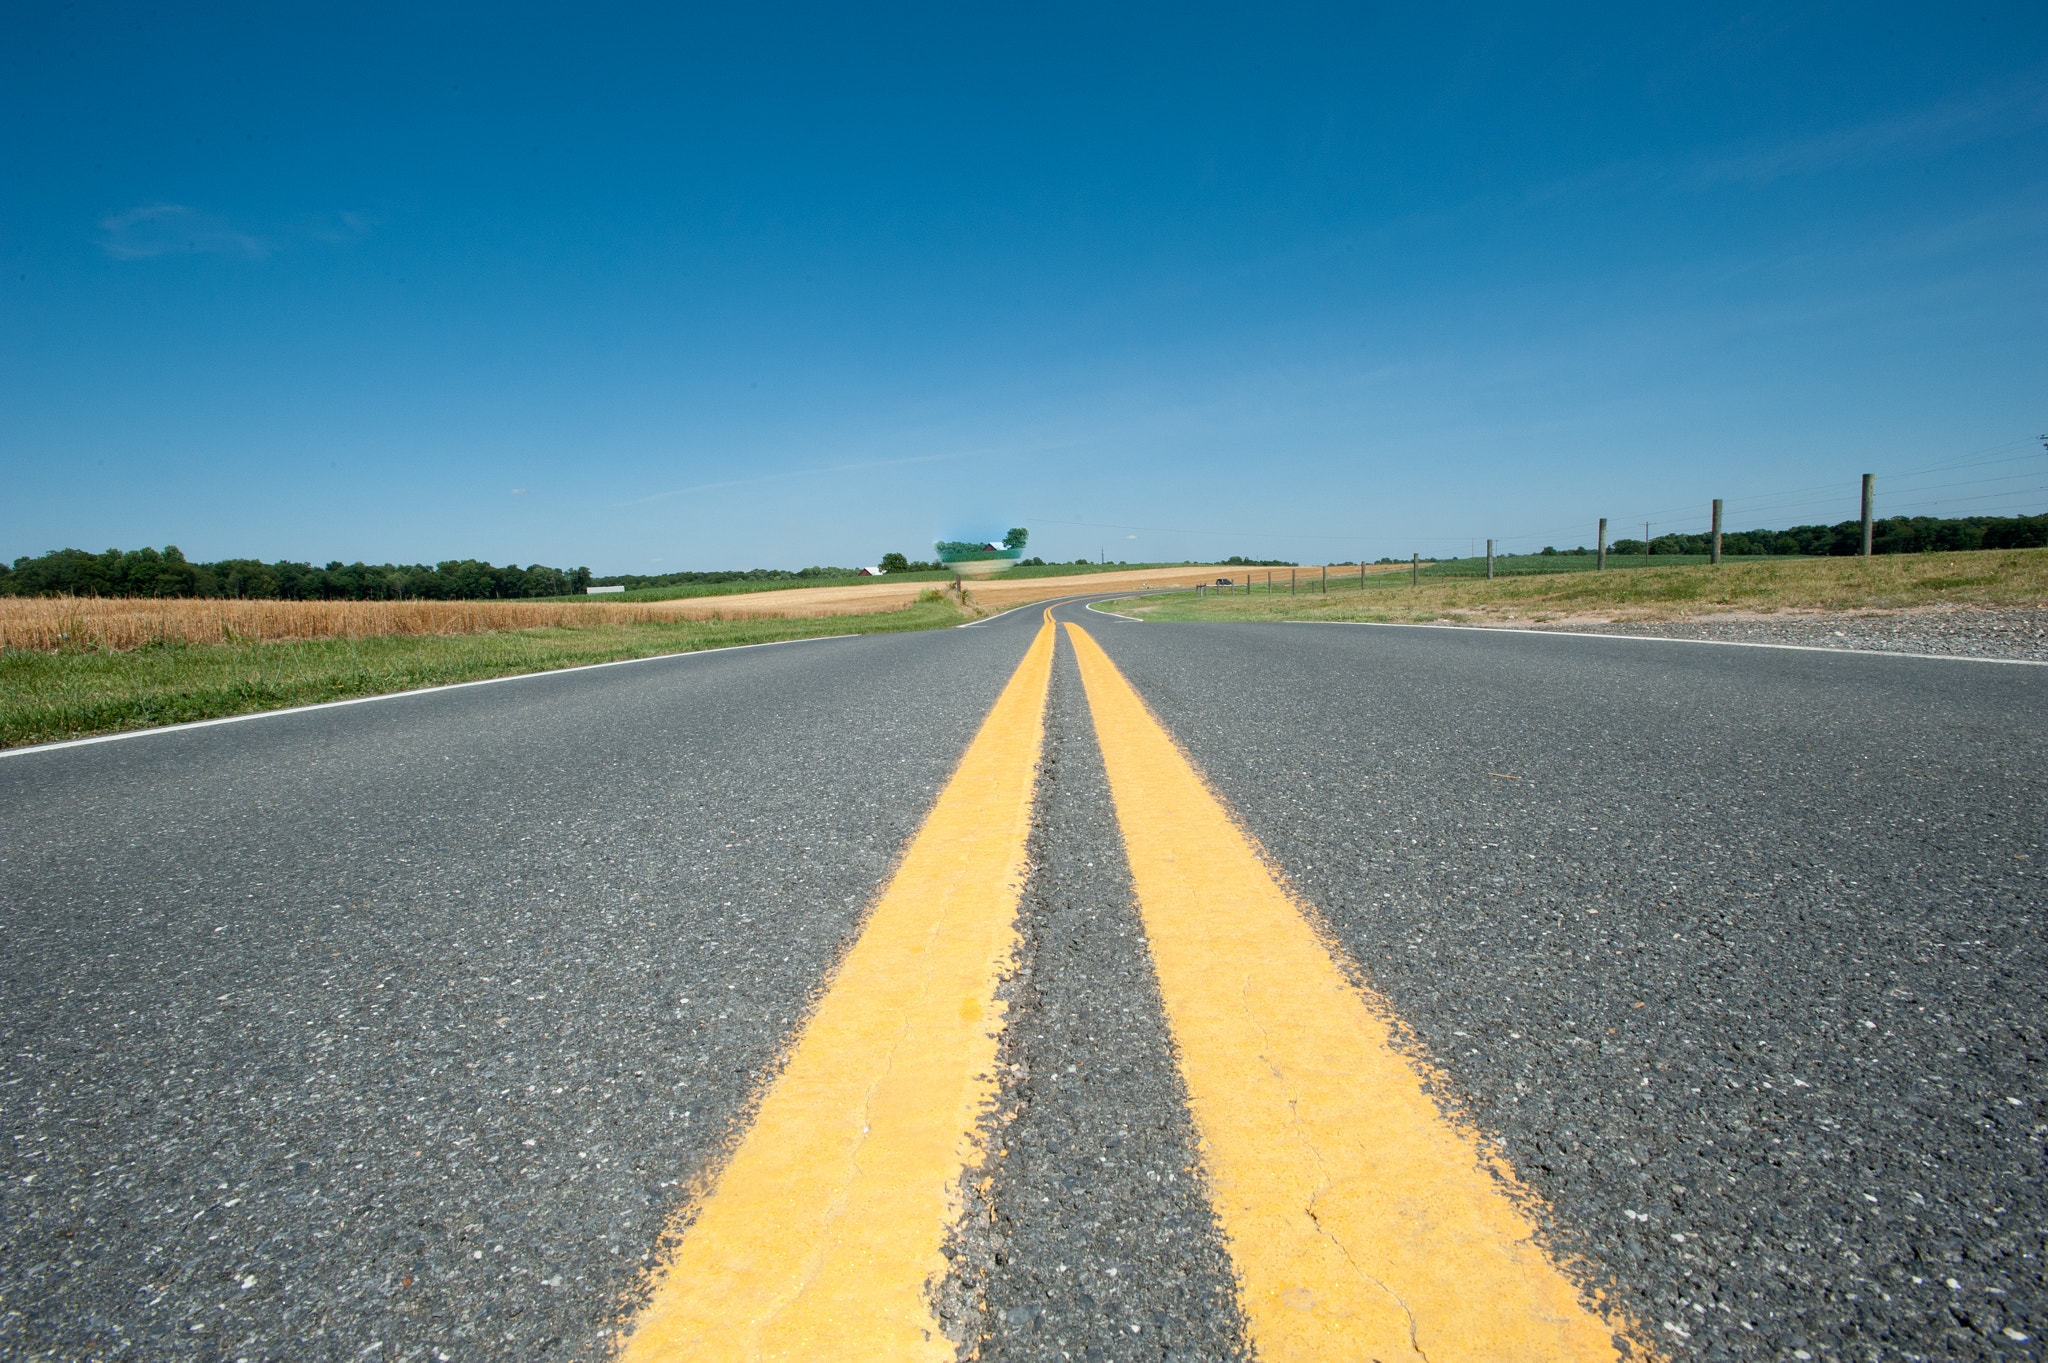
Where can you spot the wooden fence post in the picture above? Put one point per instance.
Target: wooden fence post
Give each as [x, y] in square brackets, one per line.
[1716, 551]
[1489, 560]
[1869, 487]
[1603, 544]
[1415, 565]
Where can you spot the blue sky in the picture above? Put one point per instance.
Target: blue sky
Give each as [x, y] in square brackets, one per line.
[688, 287]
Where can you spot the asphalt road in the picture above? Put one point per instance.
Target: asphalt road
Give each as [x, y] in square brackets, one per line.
[399, 1029]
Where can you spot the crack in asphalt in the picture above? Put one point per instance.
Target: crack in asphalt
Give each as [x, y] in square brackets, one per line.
[1323, 1174]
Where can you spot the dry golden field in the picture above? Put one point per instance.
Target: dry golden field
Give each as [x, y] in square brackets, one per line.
[1007, 593]
[46, 623]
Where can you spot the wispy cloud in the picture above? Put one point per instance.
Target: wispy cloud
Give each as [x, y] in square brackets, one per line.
[175, 230]
[2014, 108]
[154, 230]
[2005, 110]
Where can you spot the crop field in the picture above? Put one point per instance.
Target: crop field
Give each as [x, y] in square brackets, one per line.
[116, 623]
[74, 691]
[694, 590]
[1082, 569]
[1992, 577]
[691, 591]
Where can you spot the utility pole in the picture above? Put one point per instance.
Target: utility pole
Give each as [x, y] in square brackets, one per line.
[1715, 552]
[1646, 544]
[1869, 489]
[1415, 565]
[1603, 544]
[1489, 560]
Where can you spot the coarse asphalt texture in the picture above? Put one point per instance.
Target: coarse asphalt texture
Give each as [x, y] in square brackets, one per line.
[400, 1030]
[406, 1024]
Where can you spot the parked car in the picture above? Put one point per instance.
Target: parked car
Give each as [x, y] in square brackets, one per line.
[1223, 582]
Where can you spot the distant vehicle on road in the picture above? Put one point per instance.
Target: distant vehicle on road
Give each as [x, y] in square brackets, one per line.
[1223, 582]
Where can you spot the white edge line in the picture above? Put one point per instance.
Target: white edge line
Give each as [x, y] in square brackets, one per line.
[398, 695]
[1048, 601]
[1663, 639]
[1095, 608]
[991, 619]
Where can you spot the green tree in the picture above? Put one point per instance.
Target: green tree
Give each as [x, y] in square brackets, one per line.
[895, 563]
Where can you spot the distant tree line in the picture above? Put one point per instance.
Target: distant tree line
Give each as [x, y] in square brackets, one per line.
[898, 563]
[1891, 535]
[167, 572]
[634, 581]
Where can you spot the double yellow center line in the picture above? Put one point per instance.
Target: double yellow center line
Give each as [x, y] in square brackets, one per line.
[1363, 1223]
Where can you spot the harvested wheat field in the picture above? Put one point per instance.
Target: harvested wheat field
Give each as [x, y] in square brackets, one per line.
[1009, 592]
[47, 623]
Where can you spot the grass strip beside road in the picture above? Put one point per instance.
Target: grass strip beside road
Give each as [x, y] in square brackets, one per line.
[47, 696]
[1990, 577]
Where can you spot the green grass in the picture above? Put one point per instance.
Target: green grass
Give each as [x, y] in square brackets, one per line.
[784, 585]
[1992, 577]
[1525, 565]
[1078, 570]
[694, 589]
[49, 696]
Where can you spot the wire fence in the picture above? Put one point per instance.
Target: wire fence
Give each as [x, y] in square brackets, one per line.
[2021, 489]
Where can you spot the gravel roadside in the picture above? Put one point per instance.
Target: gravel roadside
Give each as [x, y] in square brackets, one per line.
[2018, 633]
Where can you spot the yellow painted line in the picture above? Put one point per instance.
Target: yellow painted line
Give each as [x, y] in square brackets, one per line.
[1363, 1222]
[822, 1238]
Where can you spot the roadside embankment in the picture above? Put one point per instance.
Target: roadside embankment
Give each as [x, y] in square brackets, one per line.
[1989, 602]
